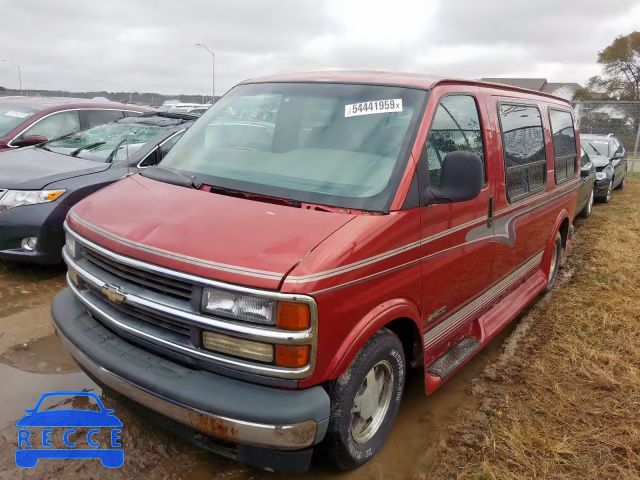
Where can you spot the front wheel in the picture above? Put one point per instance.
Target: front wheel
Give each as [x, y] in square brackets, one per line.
[623, 183]
[364, 403]
[588, 209]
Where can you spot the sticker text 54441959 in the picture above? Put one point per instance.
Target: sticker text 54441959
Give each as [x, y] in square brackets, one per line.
[373, 107]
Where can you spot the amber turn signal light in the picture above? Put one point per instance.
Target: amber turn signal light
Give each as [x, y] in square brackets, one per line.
[293, 316]
[292, 356]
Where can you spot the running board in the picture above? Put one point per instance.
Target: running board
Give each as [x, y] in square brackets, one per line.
[453, 357]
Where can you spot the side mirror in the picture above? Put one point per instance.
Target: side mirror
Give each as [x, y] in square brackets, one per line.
[586, 170]
[32, 140]
[618, 155]
[460, 180]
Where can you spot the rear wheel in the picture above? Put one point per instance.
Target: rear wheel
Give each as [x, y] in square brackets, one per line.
[555, 261]
[364, 403]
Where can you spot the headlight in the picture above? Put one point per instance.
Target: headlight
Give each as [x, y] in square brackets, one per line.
[265, 311]
[71, 244]
[17, 198]
[241, 307]
[600, 176]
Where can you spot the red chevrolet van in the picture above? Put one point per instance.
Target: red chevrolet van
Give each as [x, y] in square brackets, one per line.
[307, 241]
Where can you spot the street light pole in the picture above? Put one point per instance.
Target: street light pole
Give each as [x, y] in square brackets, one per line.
[19, 73]
[213, 72]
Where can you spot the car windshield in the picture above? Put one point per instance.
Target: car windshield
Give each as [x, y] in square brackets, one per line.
[107, 143]
[341, 145]
[11, 117]
[595, 147]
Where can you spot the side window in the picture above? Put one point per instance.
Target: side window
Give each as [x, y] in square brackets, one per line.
[56, 125]
[168, 144]
[564, 145]
[93, 118]
[616, 147]
[584, 158]
[523, 144]
[455, 127]
[159, 153]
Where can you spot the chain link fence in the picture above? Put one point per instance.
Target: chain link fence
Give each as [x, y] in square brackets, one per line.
[622, 119]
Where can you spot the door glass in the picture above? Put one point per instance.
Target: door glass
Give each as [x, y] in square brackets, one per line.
[56, 125]
[564, 144]
[455, 127]
[100, 117]
[525, 157]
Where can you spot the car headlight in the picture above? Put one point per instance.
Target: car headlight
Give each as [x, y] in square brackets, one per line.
[254, 309]
[18, 198]
[70, 244]
[601, 176]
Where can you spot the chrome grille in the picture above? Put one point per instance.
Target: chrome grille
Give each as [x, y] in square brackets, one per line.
[141, 314]
[154, 304]
[142, 278]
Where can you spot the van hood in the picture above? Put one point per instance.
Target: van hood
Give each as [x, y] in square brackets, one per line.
[34, 168]
[230, 239]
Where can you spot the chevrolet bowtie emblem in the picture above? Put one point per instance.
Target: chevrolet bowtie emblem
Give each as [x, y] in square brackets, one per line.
[114, 293]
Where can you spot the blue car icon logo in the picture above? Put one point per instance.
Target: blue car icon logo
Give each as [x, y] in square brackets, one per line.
[32, 447]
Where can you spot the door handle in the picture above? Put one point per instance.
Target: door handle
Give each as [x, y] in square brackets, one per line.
[490, 212]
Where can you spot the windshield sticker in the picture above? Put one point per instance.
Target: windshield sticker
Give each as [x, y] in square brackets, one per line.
[11, 113]
[370, 108]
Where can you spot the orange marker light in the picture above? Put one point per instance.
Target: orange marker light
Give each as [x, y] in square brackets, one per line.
[294, 357]
[293, 316]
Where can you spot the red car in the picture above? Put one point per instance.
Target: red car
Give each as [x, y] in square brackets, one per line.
[269, 286]
[28, 121]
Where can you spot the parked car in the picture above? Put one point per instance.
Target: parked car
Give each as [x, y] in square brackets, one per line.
[26, 121]
[586, 192]
[40, 184]
[180, 107]
[609, 156]
[271, 296]
[198, 110]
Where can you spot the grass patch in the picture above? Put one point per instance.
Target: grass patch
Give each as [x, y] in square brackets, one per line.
[568, 405]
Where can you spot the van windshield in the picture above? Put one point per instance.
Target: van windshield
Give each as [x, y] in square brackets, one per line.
[340, 145]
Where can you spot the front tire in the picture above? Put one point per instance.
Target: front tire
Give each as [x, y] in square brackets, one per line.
[623, 183]
[586, 211]
[364, 403]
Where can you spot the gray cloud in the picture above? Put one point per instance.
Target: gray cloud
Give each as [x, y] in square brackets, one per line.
[150, 45]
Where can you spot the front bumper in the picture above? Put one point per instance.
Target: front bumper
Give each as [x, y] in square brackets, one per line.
[258, 420]
[43, 221]
[601, 187]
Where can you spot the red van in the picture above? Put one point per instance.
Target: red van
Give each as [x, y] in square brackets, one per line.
[310, 238]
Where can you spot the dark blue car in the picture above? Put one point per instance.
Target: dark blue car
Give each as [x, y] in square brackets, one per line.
[28, 453]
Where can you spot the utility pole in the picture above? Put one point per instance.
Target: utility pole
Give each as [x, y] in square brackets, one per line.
[213, 72]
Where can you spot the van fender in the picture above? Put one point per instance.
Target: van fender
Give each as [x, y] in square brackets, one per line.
[376, 319]
[548, 251]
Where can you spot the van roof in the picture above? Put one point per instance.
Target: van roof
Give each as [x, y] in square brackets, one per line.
[404, 79]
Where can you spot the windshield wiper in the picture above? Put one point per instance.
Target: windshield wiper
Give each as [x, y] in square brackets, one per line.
[166, 175]
[75, 153]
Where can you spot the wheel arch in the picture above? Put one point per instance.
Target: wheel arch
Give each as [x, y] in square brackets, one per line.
[399, 315]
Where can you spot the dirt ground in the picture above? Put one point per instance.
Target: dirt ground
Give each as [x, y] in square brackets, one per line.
[432, 437]
[563, 400]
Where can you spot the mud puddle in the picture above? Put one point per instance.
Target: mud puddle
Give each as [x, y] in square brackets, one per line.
[26, 286]
[44, 355]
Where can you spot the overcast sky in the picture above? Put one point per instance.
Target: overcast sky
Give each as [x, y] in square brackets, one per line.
[149, 46]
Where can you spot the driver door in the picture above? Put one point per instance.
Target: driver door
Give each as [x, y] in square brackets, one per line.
[457, 248]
